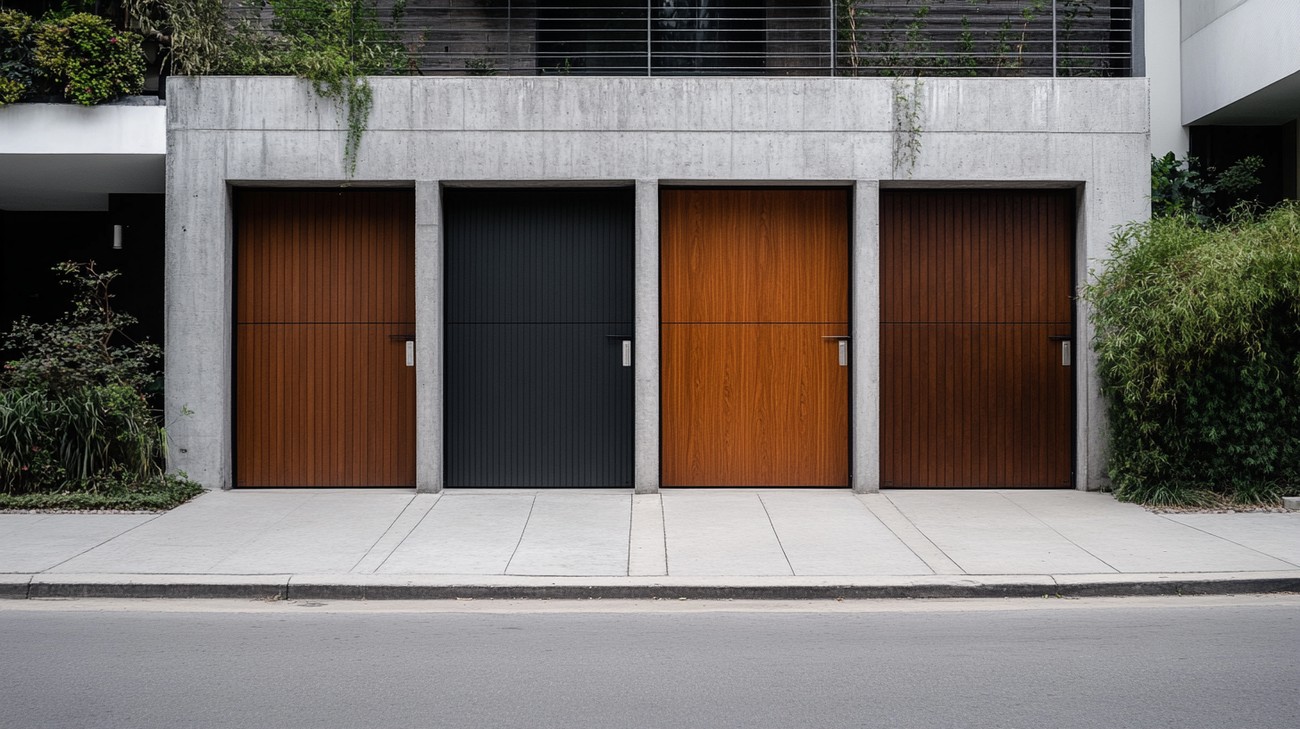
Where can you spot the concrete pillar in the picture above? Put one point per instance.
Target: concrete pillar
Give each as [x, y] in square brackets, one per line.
[1091, 428]
[645, 345]
[1160, 56]
[865, 316]
[428, 337]
[198, 297]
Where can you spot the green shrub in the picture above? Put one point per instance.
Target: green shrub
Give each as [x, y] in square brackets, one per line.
[18, 71]
[1185, 187]
[202, 37]
[84, 439]
[73, 414]
[89, 59]
[1198, 338]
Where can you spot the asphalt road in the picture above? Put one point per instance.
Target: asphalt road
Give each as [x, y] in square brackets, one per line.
[1169, 662]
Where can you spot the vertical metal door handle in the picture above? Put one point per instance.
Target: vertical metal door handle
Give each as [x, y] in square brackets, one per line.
[1066, 340]
[625, 345]
[843, 342]
[410, 353]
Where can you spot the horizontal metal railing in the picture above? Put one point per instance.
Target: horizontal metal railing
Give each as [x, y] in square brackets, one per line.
[745, 37]
[986, 38]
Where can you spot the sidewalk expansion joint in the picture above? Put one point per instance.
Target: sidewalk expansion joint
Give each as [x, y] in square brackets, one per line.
[1229, 541]
[1057, 532]
[775, 534]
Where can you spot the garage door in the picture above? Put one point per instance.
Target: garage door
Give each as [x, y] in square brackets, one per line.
[538, 338]
[976, 338]
[754, 300]
[325, 308]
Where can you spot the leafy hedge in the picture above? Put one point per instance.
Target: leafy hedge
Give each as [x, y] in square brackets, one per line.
[89, 59]
[79, 55]
[1198, 337]
[76, 428]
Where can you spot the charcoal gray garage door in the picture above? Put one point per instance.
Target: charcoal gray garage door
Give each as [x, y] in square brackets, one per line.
[538, 337]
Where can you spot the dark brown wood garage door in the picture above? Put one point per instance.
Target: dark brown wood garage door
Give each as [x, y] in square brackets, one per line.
[325, 305]
[754, 287]
[976, 325]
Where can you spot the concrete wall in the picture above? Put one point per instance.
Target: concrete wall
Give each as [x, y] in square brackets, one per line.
[1232, 49]
[1163, 61]
[1086, 134]
[71, 157]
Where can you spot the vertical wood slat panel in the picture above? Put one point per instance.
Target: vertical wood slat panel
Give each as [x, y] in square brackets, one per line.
[783, 414]
[318, 256]
[974, 284]
[754, 255]
[989, 263]
[1016, 432]
[751, 281]
[323, 396]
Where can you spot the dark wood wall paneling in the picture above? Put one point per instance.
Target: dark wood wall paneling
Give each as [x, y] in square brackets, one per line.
[751, 282]
[325, 294]
[973, 391]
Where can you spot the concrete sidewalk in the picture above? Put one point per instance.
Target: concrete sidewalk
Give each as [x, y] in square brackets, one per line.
[696, 543]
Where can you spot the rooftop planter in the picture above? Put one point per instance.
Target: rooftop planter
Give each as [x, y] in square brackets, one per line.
[79, 58]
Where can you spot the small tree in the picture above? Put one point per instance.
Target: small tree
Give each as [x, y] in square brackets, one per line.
[86, 346]
[73, 415]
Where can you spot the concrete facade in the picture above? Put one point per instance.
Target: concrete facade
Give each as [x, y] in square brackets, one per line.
[1240, 61]
[1090, 135]
[1164, 68]
[69, 157]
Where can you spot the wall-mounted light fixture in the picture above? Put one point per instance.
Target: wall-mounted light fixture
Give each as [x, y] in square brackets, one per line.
[117, 237]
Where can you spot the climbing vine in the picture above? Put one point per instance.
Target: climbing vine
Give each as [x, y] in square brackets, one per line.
[907, 122]
[335, 44]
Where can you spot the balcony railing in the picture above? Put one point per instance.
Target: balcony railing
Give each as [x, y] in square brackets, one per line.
[988, 38]
[755, 37]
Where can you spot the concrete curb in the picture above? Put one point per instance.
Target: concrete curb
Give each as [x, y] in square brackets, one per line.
[442, 587]
[252, 587]
[14, 586]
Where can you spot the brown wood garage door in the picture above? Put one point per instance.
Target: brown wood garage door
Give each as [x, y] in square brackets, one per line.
[325, 301]
[754, 287]
[976, 390]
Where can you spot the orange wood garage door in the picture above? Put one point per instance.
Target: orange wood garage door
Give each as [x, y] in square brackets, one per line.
[976, 390]
[325, 292]
[754, 287]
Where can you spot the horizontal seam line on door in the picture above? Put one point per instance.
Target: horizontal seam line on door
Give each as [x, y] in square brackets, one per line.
[516, 323]
[754, 322]
[983, 323]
